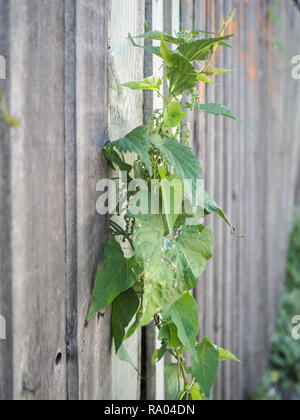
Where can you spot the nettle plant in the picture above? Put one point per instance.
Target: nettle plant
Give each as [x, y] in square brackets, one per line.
[168, 252]
[5, 115]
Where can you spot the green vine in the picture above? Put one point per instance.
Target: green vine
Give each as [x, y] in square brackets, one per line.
[168, 252]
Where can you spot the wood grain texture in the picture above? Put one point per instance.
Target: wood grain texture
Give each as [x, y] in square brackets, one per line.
[158, 20]
[94, 340]
[64, 62]
[6, 365]
[125, 114]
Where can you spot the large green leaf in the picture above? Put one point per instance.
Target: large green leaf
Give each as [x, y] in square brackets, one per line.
[181, 75]
[184, 314]
[150, 83]
[183, 161]
[198, 49]
[216, 109]
[156, 36]
[114, 277]
[206, 365]
[173, 114]
[172, 265]
[159, 354]
[124, 308]
[136, 142]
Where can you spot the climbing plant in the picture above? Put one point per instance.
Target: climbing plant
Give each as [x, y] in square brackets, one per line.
[169, 248]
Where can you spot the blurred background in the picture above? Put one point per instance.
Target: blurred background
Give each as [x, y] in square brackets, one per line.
[60, 68]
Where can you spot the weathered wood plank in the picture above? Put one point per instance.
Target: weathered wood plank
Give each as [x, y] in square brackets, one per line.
[94, 340]
[237, 202]
[126, 113]
[38, 199]
[210, 184]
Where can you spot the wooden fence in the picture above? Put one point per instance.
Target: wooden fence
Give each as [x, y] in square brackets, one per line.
[64, 60]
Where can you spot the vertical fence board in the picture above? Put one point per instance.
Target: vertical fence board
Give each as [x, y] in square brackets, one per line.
[38, 205]
[199, 145]
[5, 222]
[126, 113]
[64, 62]
[248, 273]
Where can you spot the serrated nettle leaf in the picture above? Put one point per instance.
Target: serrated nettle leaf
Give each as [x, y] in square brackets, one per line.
[198, 31]
[168, 334]
[198, 50]
[148, 235]
[113, 157]
[205, 366]
[5, 115]
[226, 355]
[172, 265]
[204, 78]
[171, 377]
[181, 74]
[174, 341]
[210, 206]
[159, 354]
[156, 36]
[183, 161]
[153, 50]
[114, 277]
[172, 196]
[170, 255]
[215, 72]
[225, 44]
[150, 83]
[197, 393]
[124, 307]
[216, 109]
[125, 357]
[184, 314]
[136, 142]
[140, 171]
[173, 114]
[196, 245]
